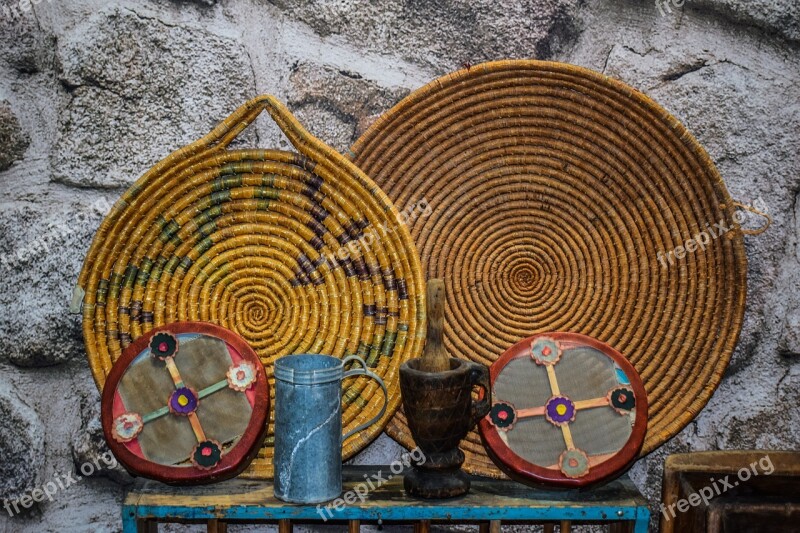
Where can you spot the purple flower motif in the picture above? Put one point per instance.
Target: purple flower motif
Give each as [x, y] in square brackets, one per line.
[559, 410]
[183, 401]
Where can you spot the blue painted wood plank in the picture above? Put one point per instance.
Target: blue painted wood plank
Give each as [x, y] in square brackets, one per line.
[454, 513]
[383, 499]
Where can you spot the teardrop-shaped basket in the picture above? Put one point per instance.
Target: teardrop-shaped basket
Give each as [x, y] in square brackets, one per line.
[295, 252]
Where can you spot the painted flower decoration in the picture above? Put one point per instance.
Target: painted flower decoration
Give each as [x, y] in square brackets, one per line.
[242, 376]
[183, 401]
[207, 455]
[545, 351]
[560, 410]
[126, 427]
[622, 400]
[503, 415]
[574, 463]
[163, 345]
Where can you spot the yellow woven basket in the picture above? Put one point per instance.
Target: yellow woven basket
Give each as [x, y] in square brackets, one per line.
[295, 252]
[559, 199]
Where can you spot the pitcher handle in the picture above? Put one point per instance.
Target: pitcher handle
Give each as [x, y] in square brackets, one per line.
[364, 371]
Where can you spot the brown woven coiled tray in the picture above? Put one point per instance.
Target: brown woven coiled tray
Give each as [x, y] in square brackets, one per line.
[295, 252]
[556, 196]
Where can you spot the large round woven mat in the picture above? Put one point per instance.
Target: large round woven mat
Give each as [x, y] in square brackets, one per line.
[294, 252]
[556, 194]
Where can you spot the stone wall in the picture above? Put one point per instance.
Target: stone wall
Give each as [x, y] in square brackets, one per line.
[93, 93]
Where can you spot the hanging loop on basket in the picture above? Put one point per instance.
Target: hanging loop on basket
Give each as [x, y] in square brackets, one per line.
[230, 128]
[218, 139]
[247, 114]
[751, 209]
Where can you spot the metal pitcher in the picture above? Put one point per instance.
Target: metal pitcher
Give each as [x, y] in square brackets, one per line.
[308, 425]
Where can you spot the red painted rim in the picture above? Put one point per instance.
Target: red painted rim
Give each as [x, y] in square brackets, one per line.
[526, 472]
[233, 462]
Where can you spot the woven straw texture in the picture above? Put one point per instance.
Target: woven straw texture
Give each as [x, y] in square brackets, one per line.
[295, 252]
[553, 189]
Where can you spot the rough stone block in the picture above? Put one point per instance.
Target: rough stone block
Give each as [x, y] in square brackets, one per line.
[141, 88]
[337, 106]
[13, 141]
[21, 445]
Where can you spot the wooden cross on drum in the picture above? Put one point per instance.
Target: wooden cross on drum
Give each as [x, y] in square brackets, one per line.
[186, 403]
[567, 410]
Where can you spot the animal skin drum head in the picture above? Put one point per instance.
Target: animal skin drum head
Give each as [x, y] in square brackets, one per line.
[186, 403]
[567, 411]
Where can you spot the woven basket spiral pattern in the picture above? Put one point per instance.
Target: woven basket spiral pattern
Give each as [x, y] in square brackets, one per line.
[553, 189]
[295, 252]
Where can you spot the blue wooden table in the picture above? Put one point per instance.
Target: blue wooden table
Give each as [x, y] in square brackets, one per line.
[373, 494]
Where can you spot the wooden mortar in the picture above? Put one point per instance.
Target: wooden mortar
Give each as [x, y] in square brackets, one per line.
[437, 399]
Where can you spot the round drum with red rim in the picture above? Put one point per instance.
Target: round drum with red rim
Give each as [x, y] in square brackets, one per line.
[567, 410]
[186, 403]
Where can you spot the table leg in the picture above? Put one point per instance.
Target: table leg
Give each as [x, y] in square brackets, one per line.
[642, 524]
[129, 520]
[354, 526]
[285, 526]
[216, 526]
[492, 526]
[146, 525]
[549, 528]
[422, 526]
[566, 526]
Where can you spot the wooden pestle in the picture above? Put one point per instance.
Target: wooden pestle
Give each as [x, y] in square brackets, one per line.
[434, 357]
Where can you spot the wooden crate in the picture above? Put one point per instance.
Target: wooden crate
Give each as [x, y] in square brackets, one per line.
[739, 501]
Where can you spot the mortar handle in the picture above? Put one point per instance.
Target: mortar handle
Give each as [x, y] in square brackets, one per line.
[434, 357]
[479, 377]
